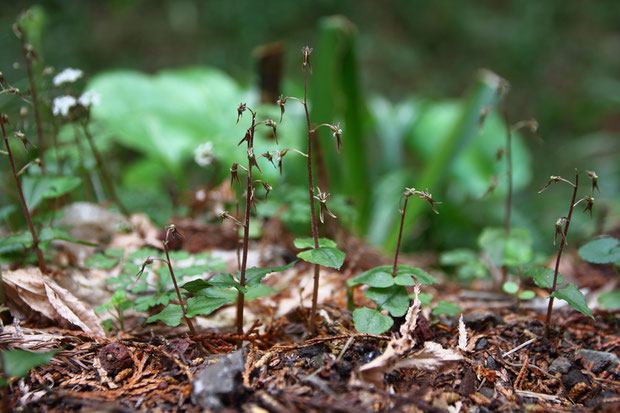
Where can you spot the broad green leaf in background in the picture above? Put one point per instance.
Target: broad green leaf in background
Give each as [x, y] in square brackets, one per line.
[371, 321]
[259, 290]
[394, 299]
[575, 298]
[543, 277]
[512, 249]
[610, 300]
[39, 187]
[17, 363]
[447, 308]
[325, 256]
[526, 295]
[482, 95]
[209, 300]
[601, 251]
[24, 240]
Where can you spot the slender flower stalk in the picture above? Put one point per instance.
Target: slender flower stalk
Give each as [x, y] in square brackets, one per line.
[29, 55]
[249, 193]
[172, 231]
[425, 195]
[22, 200]
[562, 228]
[315, 228]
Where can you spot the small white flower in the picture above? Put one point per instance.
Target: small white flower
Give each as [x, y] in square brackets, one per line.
[204, 155]
[68, 75]
[63, 104]
[89, 98]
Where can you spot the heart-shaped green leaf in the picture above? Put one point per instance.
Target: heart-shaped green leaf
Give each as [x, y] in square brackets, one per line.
[254, 275]
[394, 299]
[171, 315]
[377, 277]
[371, 321]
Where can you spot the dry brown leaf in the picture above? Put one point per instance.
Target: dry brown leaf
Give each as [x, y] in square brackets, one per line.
[30, 287]
[462, 334]
[397, 356]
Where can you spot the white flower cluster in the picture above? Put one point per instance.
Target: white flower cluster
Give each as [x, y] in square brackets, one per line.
[63, 104]
[68, 75]
[204, 155]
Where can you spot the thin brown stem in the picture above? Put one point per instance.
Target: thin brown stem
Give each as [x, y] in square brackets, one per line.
[315, 228]
[176, 288]
[35, 102]
[104, 171]
[400, 237]
[22, 200]
[246, 228]
[560, 250]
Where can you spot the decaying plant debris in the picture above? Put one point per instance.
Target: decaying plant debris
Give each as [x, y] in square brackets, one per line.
[495, 359]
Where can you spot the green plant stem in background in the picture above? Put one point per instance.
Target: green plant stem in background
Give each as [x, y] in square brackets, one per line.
[172, 230]
[315, 228]
[508, 210]
[560, 250]
[22, 200]
[28, 56]
[103, 170]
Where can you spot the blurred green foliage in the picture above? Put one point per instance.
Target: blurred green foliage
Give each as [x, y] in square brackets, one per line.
[390, 74]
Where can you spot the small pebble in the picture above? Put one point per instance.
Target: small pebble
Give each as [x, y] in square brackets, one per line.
[481, 344]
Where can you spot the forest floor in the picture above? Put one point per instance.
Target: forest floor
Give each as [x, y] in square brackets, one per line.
[499, 358]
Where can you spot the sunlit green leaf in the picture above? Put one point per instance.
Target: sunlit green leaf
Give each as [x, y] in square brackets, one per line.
[510, 288]
[447, 308]
[543, 277]
[303, 243]
[610, 300]
[171, 315]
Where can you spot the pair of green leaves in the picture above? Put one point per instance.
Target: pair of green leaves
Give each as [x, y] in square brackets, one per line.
[388, 292]
[217, 292]
[543, 278]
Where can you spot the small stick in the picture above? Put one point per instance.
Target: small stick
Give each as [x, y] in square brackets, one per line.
[519, 347]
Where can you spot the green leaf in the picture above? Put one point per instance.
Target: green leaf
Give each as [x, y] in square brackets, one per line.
[117, 299]
[526, 295]
[254, 275]
[543, 277]
[226, 281]
[303, 243]
[394, 299]
[601, 251]
[571, 294]
[171, 315]
[39, 187]
[371, 321]
[458, 257]
[610, 300]
[325, 256]
[17, 363]
[447, 308]
[192, 270]
[380, 277]
[512, 249]
[15, 242]
[49, 234]
[210, 300]
[259, 290]
[422, 276]
[425, 299]
[510, 288]
[102, 260]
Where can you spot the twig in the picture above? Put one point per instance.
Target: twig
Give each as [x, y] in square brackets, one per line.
[519, 347]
